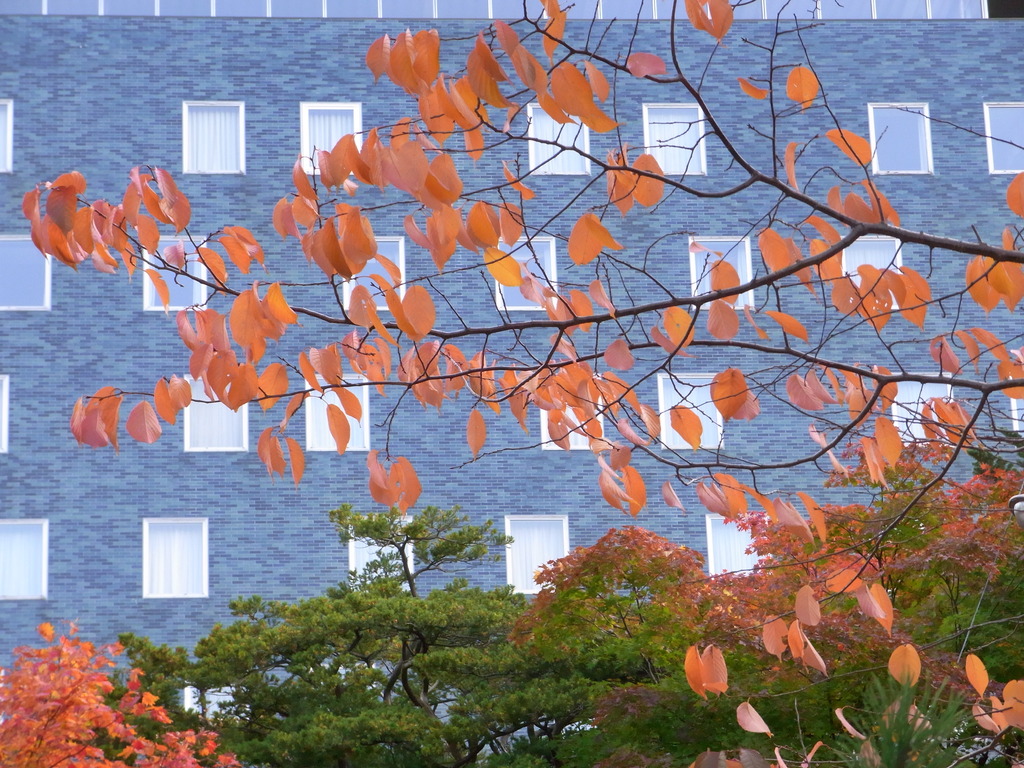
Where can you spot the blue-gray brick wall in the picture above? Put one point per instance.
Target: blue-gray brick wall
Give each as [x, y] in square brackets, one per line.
[105, 94]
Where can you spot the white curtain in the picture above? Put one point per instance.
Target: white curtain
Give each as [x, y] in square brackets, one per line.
[21, 560]
[214, 426]
[214, 138]
[901, 139]
[1007, 123]
[24, 274]
[175, 559]
[846, 9]
[727, 546]
[901, 9]
[318, 433]
[908, 404]
[879, 253]
[673, 133]
[535, 543]
[694, 394]
[5, 126]
[546, 157]
[956, 9]
[734, 253]
[326, 126]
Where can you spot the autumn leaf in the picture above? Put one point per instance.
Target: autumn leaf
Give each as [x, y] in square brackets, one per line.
[142, 423]
[645, 64]
[752, 90]
[750, 720]
[802, 86]
[853, 146]
[589, 237]
[729, 392]
[905, 665]
[476, 432]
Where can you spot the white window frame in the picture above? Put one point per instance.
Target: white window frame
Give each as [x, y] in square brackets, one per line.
[709, 520]
[363, 393]
[381, 302]
[699, 150]
[542, 167]
[988, 134]
[199, 395]
[204, 522]
[670, 439]
[509, 519]
[186, 136]
[578, 440]
[47, 276]
[745, 268]
[525, 245]
[7, 139]
[44, 558]
[902, 413]
[5, 388]
[909, 107]
[200, 291]
[305, 147]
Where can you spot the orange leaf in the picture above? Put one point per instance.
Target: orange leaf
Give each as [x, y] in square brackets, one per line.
[160, 287]
[977, 675]
[687, 425]
[882, 600]
[644, 64]
[723, 322]
[802, 86]
[589, 237]
[694, 671]
[774, 635]
[648, 189]
[1015, 194]
[905, 665]
[729, 392]
[807, 609]
[790, 162]
[752, 90]
[749, 720]
[889, 441]
[419, 312]
[853, 146]
[503, 267]
[142, 423]
[338, 423]
[788, 323]
[598, 81]
[618, 355]
[296, 458]
[715, 674]
[476, 432]
[816, 514]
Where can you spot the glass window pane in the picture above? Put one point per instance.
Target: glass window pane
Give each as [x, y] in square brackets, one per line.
[535, 542]
[26, 276]
[212, 426]
[318, 433]
[548, 157]
[213, 138]
[462, 9]
[747, 9]
[787, 9]
[957, 9]
[175, 563]
[727, 547]
[305, 9]
[325, 125]
[626, 9]
[182, 292]
[695, 394]
[878, 252]
[72, 7]
[705, 251]
[584, 9]
[539, 257]
[673, 136]
[901, 139]
[901, 9]
[846, 9]
[185, 8]
[22, 560]
[21, 7]
[351, 9]
[407, 9]
[1006, 128]
[129, 7]
[909, 403]
[6, 126]
[254, 8]
[513, 9]
[392, 249]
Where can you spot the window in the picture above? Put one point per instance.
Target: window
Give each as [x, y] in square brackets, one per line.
[708, 250]
[392, 249]
[5, 383]
[207, 703]
[693, 392]
[362, 552]
[174, 557]
[26, 275]
[673, 133]
[183, 293]
[537, 540]
[23, 559]
[578, 435]
[1004, 127]
[901, 139]
[727, 546]
[213, 136]
[318, 434]
[909, 402]
[212, 426]
[547, 158]
[538, 254]
[321, 124]
[6, 135]
[878, 252]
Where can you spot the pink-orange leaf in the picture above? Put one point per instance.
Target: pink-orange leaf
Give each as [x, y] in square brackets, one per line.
[750, 720]
[618, 356]
[476, 432]
[807, 608]
[643, 64]
[143, 424]
[1015, 194]
[729, 392]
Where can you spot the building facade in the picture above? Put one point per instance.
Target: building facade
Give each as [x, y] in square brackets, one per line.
[157, 539]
